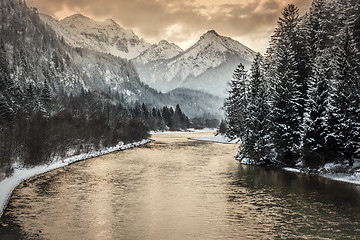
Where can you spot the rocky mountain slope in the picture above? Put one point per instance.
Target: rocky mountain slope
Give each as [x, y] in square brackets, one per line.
[158, 52]
[107, 36]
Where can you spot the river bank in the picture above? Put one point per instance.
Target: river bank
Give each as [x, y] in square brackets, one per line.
[20, 174]
[333, 171]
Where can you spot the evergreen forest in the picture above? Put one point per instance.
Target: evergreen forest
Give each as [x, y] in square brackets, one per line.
[299, 105]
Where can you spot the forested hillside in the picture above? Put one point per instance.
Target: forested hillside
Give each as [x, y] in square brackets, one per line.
[56, 101]
[300, 104]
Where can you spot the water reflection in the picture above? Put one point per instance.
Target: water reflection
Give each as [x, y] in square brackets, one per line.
[297, 206]
[177, 188]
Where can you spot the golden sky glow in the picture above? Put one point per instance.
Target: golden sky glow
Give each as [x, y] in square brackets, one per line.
[249, 21]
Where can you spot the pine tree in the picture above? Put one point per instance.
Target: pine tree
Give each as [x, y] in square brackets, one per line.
[317, 131]
[287, 114]
[236, 104]
[179, 118]
[7, 113]
[145, 111]
[46, 93]
[4, 68]
[222, 127]
[256, 143]
[347, 102]
[167, 115]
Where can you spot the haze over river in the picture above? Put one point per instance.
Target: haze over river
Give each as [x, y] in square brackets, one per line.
[177, 188]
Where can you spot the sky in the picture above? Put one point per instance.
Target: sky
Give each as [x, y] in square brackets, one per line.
[182, 22]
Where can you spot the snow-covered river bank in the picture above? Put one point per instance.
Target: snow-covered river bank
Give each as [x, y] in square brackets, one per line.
[330, 170]
[352, 175]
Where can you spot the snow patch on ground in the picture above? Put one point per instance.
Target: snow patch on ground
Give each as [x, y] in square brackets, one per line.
[8, 185]
[344, 177]
[219, 138]
[247, 161]
[295, 170]
[348, 174]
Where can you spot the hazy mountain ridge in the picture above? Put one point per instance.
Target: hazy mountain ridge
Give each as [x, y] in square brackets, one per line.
[197, 103]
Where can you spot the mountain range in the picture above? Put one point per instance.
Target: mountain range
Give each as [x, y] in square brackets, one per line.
[77, 54]
[106, 36]
[206, 66]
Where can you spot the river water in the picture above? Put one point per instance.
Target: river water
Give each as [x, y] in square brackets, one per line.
[176, 188]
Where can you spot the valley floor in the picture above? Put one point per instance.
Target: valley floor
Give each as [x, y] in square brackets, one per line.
[8, 185]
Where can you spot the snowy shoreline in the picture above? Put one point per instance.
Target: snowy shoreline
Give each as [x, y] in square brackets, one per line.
[352, 178]
[8, 185]
[329, 171]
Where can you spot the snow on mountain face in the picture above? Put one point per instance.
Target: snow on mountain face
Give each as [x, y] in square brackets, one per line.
[161, 51]
[209, 52]
[213, 54]
[107, 36]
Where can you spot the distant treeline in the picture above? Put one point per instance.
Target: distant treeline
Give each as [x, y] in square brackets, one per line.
[300, 104]
[167, 118]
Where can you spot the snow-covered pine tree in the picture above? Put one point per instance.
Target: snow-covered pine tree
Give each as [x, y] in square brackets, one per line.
[6, 87]
[319, 94]
[7, 113]
[46, 93]
[347, 102]
[287, 115]
[46, 99]
[236, 104]
[4, 68]
[257, 124]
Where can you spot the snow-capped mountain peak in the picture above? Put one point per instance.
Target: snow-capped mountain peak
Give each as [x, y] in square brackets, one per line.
[102, 36]
[210, 34]
[218, 43]
[76, 17]
[161, 51]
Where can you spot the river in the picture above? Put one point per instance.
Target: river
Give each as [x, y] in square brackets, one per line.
[177, 188]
